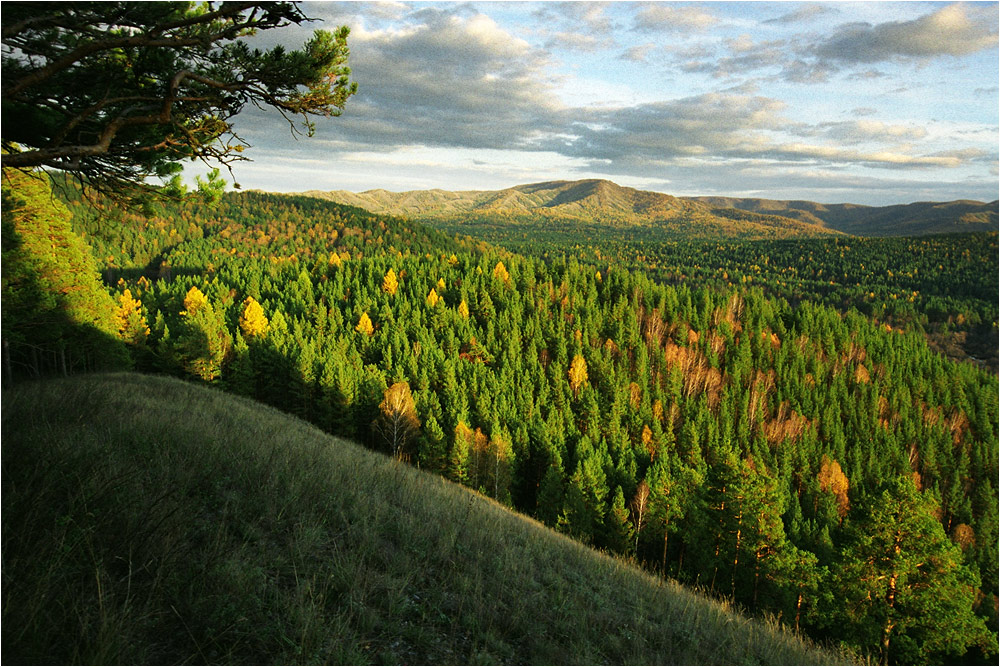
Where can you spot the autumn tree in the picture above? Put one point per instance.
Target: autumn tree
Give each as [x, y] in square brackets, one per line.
[639, 506]
[253, 322]
[390, 283]
[365, 326]
[577, 373]
[131, 323]
[117, 92]
[833, 480]
[397, 421]
[205, 343]
[500, 273]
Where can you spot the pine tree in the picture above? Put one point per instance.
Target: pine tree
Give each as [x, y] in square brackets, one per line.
[57, 317]
[458, 459]
[432, 450]
[906, 592]
[204, 344]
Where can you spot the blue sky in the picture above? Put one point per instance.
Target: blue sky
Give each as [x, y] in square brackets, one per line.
[869, 103]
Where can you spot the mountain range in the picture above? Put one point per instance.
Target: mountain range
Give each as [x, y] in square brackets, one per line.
[596, 201]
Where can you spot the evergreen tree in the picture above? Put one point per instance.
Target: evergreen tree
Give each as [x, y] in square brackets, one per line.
[908, 595]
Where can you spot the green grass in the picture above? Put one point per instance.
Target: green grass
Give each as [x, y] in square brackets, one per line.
[146, 520]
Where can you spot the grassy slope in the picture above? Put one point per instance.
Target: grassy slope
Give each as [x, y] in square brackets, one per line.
[150, 520]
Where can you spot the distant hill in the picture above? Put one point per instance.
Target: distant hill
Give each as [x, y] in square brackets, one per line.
[588, 202]
[151, 521]
[915, 219]
[603, 202]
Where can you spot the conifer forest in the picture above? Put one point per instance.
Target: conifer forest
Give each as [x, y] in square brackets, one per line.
[791, 416]
[765, 440]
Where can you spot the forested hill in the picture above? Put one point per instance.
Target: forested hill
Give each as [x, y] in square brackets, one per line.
[608, 204]
[899, 220]
[796, 459]
[569, 204]
[194, 235]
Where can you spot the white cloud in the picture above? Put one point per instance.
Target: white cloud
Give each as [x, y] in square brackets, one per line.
[803, 14]
[860, 131]
[638, 53]
[667, 17]
[955, 30]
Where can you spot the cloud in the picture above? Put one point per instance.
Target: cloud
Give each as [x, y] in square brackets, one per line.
[638, 53]
[448, 81]
[709, 123]
[663, 17]
[575, 41]
[861, 131]
[440, 82]
[586, 17]
[802, 14]
[955, 30]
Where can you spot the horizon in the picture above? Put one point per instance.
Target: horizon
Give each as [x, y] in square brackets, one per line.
[864, 103]
[607, 180]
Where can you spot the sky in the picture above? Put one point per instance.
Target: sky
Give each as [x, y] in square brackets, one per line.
[869, 103]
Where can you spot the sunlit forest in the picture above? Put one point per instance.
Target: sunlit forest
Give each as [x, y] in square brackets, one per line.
[762, 420]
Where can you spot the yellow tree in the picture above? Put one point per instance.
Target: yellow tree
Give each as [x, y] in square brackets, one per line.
[132, 327]
[194, 301]
[432, 298]
[463, 309]
[577, 373]
[832, 479]
[390, 283]
[253, 322]
[205, 343]
[397, 422]
[365, 325]
[500, 273]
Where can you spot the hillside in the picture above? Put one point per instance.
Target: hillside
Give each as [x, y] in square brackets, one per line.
[604, 202]
[566, 204]
[899, 220]
[735, 438]
[179, 235]
[147, 520]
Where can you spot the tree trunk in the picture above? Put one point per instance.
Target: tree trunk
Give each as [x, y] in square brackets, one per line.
[666, 534]
[798, 611]
[8, 371]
